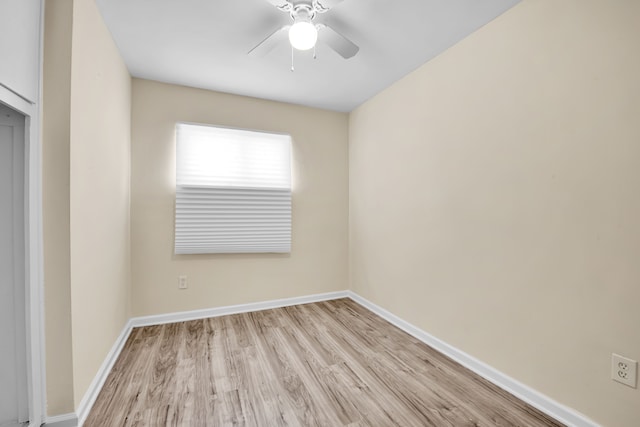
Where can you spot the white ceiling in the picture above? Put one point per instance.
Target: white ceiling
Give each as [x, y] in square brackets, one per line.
[204, 44]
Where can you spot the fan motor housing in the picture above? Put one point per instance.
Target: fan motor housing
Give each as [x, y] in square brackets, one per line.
[303, 13]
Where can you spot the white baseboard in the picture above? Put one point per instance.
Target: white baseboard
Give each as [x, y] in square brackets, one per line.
[184, 316]
[538, 400]
[101, 376]
[64, 420]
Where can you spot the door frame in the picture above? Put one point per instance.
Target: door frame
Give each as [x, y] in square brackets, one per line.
[16, 122]
[34, 293]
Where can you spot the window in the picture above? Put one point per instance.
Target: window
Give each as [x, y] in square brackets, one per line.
[233, 191]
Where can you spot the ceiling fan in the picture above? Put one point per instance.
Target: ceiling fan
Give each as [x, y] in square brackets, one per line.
[303, 32]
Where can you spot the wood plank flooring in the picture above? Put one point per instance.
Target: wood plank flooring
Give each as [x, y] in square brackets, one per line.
[331, 363]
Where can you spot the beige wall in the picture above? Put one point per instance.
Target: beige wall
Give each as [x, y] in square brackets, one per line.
[495, 199]
[56, 122]
[318, 261]
[86, 156]
[100, 165]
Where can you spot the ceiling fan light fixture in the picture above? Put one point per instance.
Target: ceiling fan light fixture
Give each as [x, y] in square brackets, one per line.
[303, 35]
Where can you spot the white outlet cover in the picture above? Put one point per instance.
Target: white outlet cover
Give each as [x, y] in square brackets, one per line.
[182, 282]
[624, 370]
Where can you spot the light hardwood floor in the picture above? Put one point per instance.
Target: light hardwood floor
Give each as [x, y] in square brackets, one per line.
[331, 363]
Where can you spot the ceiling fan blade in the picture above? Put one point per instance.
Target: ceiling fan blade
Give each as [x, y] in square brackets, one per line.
[336, 41]
[269, 42]
[283, 5]
[325, 4]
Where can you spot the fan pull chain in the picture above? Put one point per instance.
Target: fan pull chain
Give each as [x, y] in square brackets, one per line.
[292, 69]
[314, 50]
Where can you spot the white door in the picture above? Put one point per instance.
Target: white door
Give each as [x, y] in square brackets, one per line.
[13, 366]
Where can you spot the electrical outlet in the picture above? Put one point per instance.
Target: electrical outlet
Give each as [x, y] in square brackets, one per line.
[624, 370]
[182, 282]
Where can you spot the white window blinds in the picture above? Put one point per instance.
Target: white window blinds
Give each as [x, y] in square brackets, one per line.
[233, 191]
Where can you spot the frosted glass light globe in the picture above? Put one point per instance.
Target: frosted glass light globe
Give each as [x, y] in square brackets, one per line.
[303, 35]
